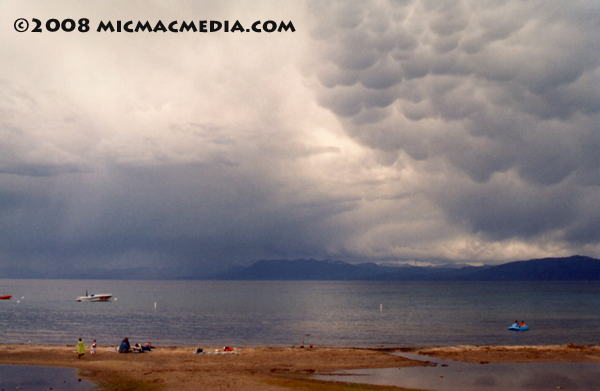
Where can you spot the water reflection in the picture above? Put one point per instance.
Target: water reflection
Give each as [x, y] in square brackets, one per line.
[26, 378]
[453, 375]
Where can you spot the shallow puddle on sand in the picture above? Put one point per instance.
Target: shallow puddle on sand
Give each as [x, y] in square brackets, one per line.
[448, 375]
[29, 377]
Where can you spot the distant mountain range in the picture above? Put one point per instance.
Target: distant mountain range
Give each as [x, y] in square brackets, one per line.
[547, 269]
[574, 268]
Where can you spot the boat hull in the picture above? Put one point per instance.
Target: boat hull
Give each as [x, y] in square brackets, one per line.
[6, 297]
[518, 328]
[95, 297]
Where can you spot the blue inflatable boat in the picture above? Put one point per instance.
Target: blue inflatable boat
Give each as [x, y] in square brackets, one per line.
[516, 327]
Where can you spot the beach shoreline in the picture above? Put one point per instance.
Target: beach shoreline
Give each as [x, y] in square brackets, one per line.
[259, 368]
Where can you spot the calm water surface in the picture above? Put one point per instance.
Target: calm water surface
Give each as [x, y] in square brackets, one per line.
[36, 378]
[247, 313]
[453, 375]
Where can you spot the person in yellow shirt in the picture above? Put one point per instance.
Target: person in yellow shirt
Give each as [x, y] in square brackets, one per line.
[80, 348]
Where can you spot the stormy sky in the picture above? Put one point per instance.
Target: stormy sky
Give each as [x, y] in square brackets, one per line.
[384, 131]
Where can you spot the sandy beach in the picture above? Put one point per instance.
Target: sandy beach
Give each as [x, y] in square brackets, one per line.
[259, 368]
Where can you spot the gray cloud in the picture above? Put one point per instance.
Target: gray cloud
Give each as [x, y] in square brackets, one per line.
[502, 92]
[379, 131]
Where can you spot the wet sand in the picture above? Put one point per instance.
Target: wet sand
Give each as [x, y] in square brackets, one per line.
[485, 354]
[258, 368]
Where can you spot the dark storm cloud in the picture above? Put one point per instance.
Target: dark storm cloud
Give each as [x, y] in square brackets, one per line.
[38, 170]
[506, 93]
[396, 131]
[181, 219]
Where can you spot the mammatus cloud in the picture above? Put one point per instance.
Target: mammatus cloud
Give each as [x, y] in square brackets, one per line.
[379, 131]
[494, 105]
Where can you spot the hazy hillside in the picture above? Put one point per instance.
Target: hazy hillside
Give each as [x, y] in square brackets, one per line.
[302, 269]
[548, 269]
[574, 268]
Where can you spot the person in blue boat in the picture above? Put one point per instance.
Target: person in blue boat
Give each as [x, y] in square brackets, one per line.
[519, 326]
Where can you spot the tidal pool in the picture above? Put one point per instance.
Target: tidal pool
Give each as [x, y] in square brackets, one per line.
[36, 378]
[447, 375]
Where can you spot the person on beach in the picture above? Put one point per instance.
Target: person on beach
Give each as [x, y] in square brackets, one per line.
[125, 347]
[80, 348]
[93, 348]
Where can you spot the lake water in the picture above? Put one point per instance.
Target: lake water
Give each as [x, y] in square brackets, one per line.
[450, 375]
[251, 313]
[36, 378]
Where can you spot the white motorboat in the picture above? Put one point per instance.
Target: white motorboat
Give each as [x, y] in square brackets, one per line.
[95, 297]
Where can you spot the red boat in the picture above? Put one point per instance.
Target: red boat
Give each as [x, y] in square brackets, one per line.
[6, 297]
